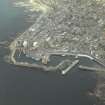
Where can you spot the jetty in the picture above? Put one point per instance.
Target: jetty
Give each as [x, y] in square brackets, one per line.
[92, 69]
[70, 67]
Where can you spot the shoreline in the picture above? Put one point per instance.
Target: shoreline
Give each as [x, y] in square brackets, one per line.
[44, 67]
[12, 60]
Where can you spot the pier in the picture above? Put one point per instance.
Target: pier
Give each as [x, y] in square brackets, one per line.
[92, 69]
[70, 67]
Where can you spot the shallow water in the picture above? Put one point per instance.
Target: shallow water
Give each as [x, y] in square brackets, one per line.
[26, 86]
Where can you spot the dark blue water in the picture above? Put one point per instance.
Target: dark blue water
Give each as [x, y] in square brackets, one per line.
[26, 86]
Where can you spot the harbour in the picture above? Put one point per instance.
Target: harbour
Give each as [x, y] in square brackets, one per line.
[31, 86]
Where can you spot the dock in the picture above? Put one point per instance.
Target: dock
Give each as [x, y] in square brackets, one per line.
[92, 69]
[70, 67]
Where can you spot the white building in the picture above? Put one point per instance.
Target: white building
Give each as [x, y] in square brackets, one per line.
[25, 43]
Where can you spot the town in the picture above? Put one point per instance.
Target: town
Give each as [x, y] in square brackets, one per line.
[69, 28]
